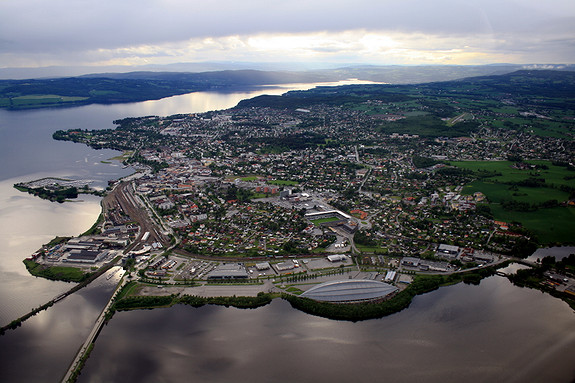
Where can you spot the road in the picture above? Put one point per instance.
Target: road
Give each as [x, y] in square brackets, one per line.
[93, 334]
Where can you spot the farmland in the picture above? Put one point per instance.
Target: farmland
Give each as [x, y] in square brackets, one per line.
[539, 206]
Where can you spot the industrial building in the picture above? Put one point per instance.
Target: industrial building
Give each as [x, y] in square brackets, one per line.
[263, 266]
[483, 257]
[448, 251]
[228, 271]
[390, 276]
[410, 261]
[284, 266]
[86, 256]
[84, 250]
[336, 258]
[351, 290]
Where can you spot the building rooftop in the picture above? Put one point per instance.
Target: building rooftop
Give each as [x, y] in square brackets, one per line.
[349, 291]
[228, 271]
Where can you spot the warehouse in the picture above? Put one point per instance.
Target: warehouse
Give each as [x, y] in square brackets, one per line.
[410, 261]
[228, 271]
[85, 256]
[284, 266]
[448, 250]
[263, 266]
[336, 258]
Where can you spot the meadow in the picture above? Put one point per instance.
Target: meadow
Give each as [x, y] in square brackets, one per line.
[552, 224]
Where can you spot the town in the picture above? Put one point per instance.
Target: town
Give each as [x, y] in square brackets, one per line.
[264, 192]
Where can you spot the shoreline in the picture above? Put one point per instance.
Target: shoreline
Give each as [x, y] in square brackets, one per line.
[129, 299]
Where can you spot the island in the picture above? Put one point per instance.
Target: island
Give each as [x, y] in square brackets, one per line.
[57, 189]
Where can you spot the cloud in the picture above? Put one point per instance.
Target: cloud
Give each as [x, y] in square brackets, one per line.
[37, 32]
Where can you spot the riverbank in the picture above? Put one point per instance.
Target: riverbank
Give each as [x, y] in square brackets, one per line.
[550, 276]
[131, 298]
[57, 273]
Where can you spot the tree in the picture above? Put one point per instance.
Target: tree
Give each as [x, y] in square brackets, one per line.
[129, 264]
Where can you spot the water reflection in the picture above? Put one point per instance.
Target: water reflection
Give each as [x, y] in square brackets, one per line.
[559, 252]
[462, 332]
[458, 333]
[199, 102]
[43, 347]
[27, 222]
[27, 152]
[512, 268]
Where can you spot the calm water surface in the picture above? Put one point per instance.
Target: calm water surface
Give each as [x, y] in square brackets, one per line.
[44, 346]
[491, 332]
[558, 252]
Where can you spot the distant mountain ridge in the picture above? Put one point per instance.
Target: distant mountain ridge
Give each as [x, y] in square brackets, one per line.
[107, 88]
[523, 83]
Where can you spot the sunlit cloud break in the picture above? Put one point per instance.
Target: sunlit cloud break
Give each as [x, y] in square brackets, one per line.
[347, 46]
[71, 32]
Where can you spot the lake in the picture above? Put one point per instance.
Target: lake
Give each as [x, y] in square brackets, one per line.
[45, 345]
[477, 333]
[491, 332]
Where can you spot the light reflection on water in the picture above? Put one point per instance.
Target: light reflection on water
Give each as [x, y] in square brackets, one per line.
[559, 252]
[43, 347]
[512, 268]
[27, 222]
[458, 333]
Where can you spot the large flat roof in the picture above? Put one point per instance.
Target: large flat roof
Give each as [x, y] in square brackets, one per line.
[228, 271]
[445, 247]
[349, 290]
[320, 213]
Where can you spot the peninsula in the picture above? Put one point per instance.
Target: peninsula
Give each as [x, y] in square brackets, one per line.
[412, 187]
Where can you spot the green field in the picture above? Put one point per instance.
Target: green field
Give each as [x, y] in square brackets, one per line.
[57, 273]
[551, 225]
[124, 156]
[371, 249]
[553, 175]
[39, 100]
[318, 222]
[283, 183]
[498, 192]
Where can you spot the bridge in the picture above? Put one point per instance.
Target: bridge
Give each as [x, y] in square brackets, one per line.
[84, 349]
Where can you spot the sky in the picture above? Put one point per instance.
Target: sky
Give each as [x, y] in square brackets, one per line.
[39, 33]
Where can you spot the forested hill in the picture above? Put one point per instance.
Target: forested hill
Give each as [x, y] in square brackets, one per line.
[545, 83]
[556, 87]
[141, 86]
[136, 86]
